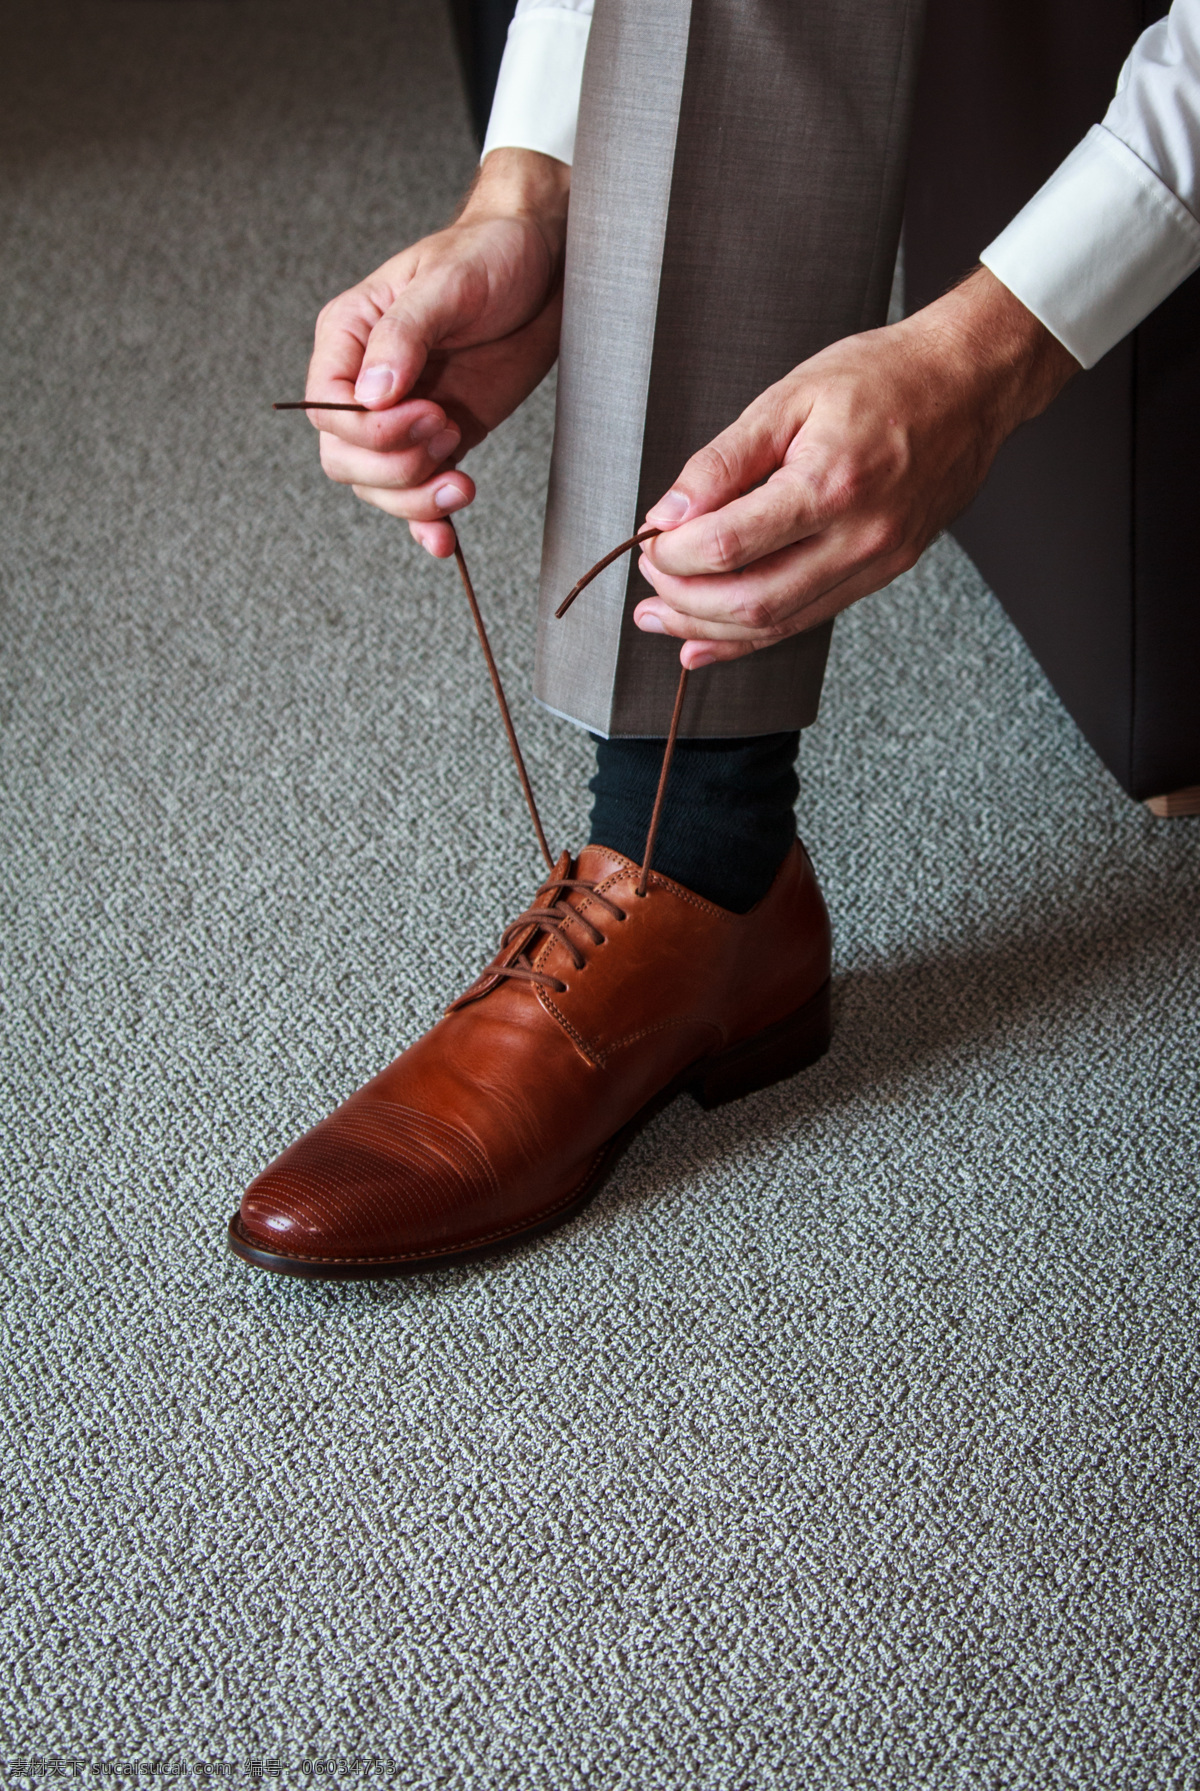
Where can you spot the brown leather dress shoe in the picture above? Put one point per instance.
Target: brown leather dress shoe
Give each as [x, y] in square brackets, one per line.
[505, 1119]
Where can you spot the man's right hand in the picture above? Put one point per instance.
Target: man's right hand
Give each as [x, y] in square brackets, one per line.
[443, 342]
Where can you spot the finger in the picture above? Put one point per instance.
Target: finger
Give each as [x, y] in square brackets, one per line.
[408, 425]
[400, 426]
[346, 464]
[792, 505]
[343, 335]
[731, 463]
[343, 330]
[764, 594]
[662, 619]
[430, 502]
[438, 302]
[753, 599]
[695, 655]
[436, 538]
[654, 616]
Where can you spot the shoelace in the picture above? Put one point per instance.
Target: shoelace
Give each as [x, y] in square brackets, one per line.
[538, 922]
[552, 918]
[510, 730]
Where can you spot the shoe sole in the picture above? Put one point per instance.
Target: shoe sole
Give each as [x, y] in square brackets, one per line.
[773, 1055]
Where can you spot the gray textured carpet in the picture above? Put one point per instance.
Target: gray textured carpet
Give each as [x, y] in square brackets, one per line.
[849, 1439]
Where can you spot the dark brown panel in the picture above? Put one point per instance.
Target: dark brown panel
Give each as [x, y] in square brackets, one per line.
[1166, 652]
[1089, 528]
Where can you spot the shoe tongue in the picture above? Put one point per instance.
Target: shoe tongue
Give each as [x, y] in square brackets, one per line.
[595, 863]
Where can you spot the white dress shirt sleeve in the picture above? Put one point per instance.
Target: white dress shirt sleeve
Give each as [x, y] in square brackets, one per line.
[1117, 226]
[537, 94]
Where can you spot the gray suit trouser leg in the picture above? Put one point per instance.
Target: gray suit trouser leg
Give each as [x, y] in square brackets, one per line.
[735, 207]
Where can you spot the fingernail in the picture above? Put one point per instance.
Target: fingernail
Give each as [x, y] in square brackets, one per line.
[672, 508]
[649, 623]
[700, 660]
[443, 444]
[449, 497]
[423, 428]
[374, 383]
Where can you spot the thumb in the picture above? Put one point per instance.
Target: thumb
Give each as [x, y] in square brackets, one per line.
[444, 298]
[729, 465]
[399, 346]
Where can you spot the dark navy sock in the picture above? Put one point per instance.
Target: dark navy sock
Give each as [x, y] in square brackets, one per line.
[728, 818]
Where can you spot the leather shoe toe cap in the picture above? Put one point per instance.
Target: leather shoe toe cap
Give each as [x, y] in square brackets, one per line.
[374, 1181]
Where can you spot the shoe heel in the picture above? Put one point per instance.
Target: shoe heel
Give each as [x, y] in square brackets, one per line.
[770, 1056]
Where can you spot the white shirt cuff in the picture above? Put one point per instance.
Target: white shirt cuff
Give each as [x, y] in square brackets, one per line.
[1099, 246]
[537, 94]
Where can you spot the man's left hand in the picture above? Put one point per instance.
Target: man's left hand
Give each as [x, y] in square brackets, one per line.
[836, 479]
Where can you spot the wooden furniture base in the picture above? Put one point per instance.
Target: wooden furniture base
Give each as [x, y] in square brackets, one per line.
[1179, 802]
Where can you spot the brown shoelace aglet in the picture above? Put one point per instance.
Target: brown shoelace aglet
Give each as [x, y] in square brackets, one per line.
[660, 793]
[494, 675]
[315, 404]
[598, 568]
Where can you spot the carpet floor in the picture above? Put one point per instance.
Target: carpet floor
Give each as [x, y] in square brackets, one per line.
[849, 1439]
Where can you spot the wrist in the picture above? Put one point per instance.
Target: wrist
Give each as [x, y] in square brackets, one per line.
[522, 183]
[1007, 358]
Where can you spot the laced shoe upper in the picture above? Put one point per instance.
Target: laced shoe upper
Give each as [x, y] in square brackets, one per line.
[598, 999]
